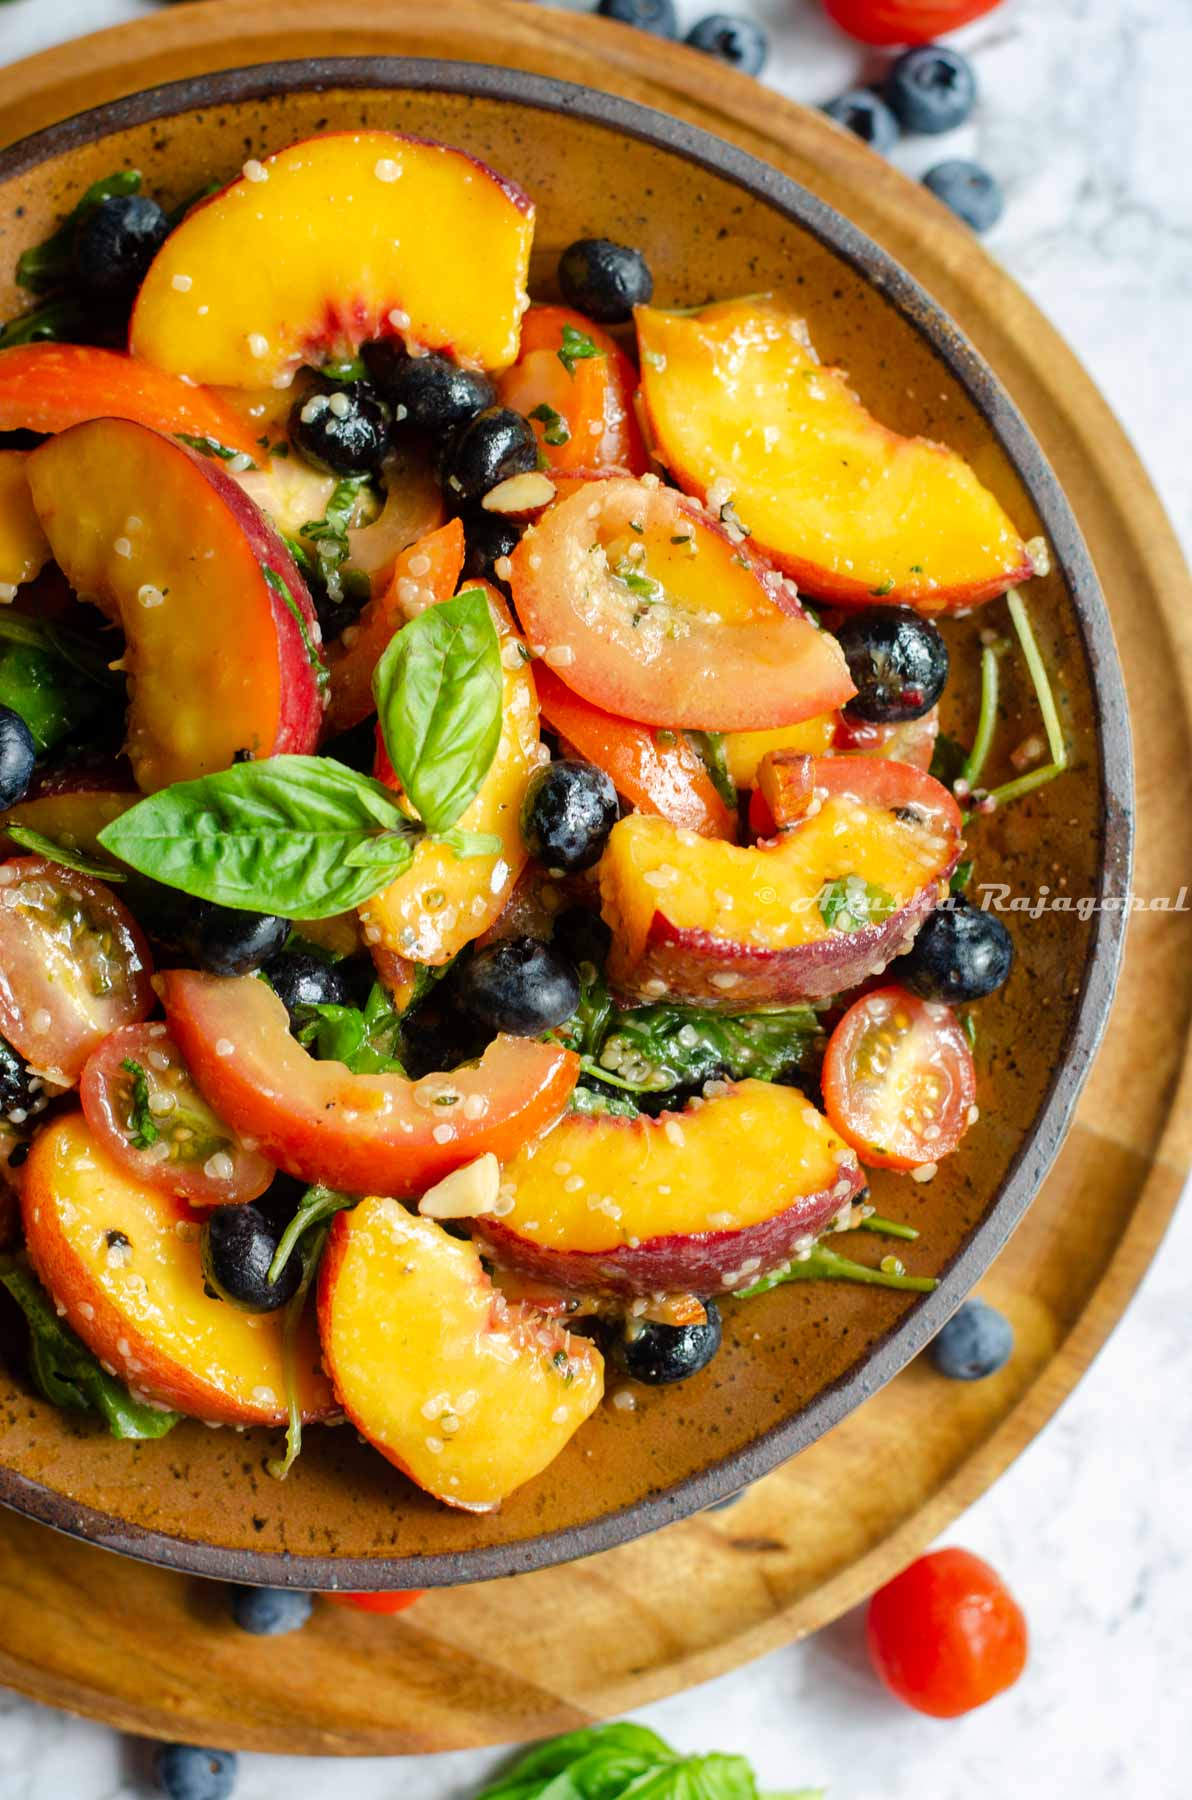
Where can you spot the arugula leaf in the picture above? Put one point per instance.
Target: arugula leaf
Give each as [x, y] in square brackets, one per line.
[50, 264]
[66, 1373]
[576, 346]
[28, 839]
[329, 534]
[558, 431]
[321, 673]
[316, 1207]
[709, 747]
[829, 1265]
[651, 1049]
[438, 694]
[850, 903]
[366, 1040]
[141, 1128]
[56, 321]
[271, 836]
[54, 679]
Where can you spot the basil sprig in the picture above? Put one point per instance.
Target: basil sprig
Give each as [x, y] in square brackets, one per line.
[40, 845]
[298, 836]
[611, 1762]
[438, 694]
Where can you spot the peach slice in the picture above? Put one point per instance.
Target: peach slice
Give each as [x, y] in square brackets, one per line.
[741, 409]
[656, 613]
[744, 750]
[122, 1260]
[72, 818]
[332, 243]
[221, 634]
[23, 546]
[444, 901]
[49, 387]
[468, 1396]
[728, 927]
[701, 1201]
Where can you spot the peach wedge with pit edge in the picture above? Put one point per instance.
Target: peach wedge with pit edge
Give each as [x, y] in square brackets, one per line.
[467, 1395]
[740, 408]
[334, 242]
[220, 631]
[123, 1262]
[701, 1201]
[770, 924]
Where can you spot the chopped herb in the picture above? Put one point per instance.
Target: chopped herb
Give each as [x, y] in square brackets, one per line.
[730, 517]
[209, 446]
[850, 903]
[139, 1126]
[275, 581]
[557, 429]
[28, 839]
[643, 587]
[51, 264]
[329, 534]
[887, 587]
[562, 1363]
[577, 346]
[968, 1024]
[347, 368]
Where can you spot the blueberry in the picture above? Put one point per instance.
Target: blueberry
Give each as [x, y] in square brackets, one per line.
[568, 811]
[238, 1244]
[428, 393]
[487, 538]
[518, 985]
[931, 88]
[299, 979]
[604, 280]
[21, 1094]
[898, 661]
[583, 935]
[657, 16]
[115, 243]
[970, 191]
[18, 753]
[658, 1354]
[977, 1341]
[184, 1772]
[961, 953]
[342, 429]
[867, 116]
[494, 445]
[737, 41]
[270, 1612]
[224, 941]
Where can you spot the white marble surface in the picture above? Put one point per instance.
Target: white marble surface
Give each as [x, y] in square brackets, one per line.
[1085, 117]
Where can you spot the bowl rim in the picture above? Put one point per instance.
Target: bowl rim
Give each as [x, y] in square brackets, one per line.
[892, 1351]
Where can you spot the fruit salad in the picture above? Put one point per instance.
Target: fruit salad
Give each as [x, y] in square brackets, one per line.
[482, 881]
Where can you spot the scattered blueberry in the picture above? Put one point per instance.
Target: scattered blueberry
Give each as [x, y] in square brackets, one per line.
[299, 979]
[225, 941]
[931, 88]
[342, 429]
[658, 1354]
[867, 116]
[970, 191]
[185, 1772]
[658, 16]
[427, 393]
[604, 280]
[518, 985]
[237, 1245]
[961, 953]
[735, 40]
[898, 661]
[18, 753]
[270, 1612]
[977, 1341]
[487, 538]
[115, 243]
[567, 814]
[494, 445]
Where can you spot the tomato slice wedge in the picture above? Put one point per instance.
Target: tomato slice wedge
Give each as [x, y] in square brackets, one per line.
[583, 416]
[367, 1134]
[73, 966]
[898, 1079]
[141, 1102]
[49, 387]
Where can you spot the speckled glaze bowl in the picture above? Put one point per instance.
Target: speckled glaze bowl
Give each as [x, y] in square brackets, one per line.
[713, 222]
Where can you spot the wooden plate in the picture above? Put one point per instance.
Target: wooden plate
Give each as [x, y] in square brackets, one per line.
[545, 1651]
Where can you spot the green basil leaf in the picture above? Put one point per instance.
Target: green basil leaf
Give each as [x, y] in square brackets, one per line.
[51, 264]
[368, 1040]
[65, 1371]
[541, 1765]
[471, 843]
[55, 321]
[438, 694]
[850, 903]
[28, 839]
[270, 836]
[56, 681]
[318, 1205]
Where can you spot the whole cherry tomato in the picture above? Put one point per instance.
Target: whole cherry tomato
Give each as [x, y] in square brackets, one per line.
[947, 1635]
[904, 21]
[377, 1603]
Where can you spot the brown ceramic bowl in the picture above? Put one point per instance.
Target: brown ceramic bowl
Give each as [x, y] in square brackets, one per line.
[713, 222]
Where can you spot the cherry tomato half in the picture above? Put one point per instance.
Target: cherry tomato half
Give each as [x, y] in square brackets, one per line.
[377, 1603]
[73, 965]
[947, 1635]
[904, 21]
[142, 1104]
[898, 1079]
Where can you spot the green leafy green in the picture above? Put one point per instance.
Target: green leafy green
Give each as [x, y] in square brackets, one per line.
[438, 693]
[823, 1264]
[366, 1039]
[40, 845]
[65, 321]
[50, 264]
[471, 843]
[962, 874]
[329, 534]
[281, 589]
[141, 1127]
[576, 346]
[614, 1762]
[299, 836]
[558, 431]
[346, 368]
[55, 680]
[709, 747]
[850, 903]
[595, 1104]
[209, 446]
[316, 1207]
[65, 1371]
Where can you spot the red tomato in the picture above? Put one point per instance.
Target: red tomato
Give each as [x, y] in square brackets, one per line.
[947, 1635]
[378, 1603]
[904, 21]
[588, 419]
[913, 741]
[181, 1146]
[73, 965]
[898, 1079]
